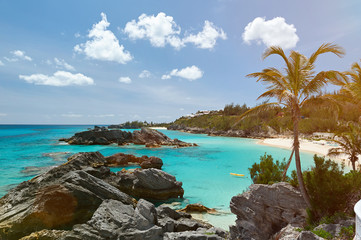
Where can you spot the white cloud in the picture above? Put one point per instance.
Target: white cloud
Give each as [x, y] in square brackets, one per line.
[77, 35]
[18, 55]
[275, 32]
[166, 76]
[59, 79]
[1, 63]
[103, 44]
[145, 74]
[191, 73]
[161, 30]
[125, 80]
[71, 115]
[60, 63]
[208, 37]
[102, 115]
[3, 114]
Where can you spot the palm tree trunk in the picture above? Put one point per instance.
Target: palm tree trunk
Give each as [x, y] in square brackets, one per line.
[288, 165]
[296, 148]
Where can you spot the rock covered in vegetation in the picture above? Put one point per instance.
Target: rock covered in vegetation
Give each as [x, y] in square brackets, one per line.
[255, 133]
[104, 136]
[122, 159]
[266, 207]
[149, 183]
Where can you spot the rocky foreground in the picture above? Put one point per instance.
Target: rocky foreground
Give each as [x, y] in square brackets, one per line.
[83, 199]
[275, 211]
[104, 136]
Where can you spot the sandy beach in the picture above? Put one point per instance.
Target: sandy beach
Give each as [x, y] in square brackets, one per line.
[317, 147]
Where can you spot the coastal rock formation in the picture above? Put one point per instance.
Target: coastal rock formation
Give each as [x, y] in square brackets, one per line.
[122, 159]
[62, 197]
[149, 183]
[81, 200]
[266, 207]
[104, 136]
[255, 133]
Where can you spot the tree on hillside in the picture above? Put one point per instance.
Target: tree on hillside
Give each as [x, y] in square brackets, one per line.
[349, 142]
[293, 88]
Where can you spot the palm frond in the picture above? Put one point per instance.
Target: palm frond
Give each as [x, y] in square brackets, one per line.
[327, 48]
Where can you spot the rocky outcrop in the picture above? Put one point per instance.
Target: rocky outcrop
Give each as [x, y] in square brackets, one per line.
[103, 136]
[149, 183]
[266, 207]
[81, 200]
[60, 198]
[123, 160]
[254, 133]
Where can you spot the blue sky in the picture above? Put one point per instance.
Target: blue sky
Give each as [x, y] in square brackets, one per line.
[102, 62]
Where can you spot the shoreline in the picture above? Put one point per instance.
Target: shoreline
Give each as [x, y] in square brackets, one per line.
[309, 146]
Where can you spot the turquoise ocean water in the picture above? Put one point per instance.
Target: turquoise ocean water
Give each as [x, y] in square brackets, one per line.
[204, 170]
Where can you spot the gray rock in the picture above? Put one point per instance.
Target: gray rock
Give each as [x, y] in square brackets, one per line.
[307, 235]
[287, 233]
[148, 183]
[199, 234]
[335, 229]
[57, 199]
[266, 207]
[116, 220]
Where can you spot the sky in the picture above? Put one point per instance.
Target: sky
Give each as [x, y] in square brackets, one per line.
[105, 62]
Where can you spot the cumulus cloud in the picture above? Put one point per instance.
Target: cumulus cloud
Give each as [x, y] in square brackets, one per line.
[60, 63]
[190, 73]
[71, 115]
[126, 80]
[161, 30]
[58, 79]
[145, 74]
[18, 55]
[208, 37]
[274, 32]
[103, 44]
[1, 63]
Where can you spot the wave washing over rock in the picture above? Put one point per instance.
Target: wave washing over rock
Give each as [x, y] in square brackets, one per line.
[81, 199]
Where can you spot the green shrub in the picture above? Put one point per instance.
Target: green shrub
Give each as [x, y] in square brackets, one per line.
[322, 233]
[267, 172]
[347, 233]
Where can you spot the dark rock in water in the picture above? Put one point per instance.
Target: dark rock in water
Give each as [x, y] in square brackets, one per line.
[148, 183]
[103, 136]
[267, 207]
[60, 198]
[196, 207]
[122, 160]
[116, 220]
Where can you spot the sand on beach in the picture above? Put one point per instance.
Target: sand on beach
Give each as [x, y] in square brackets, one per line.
[159, 128]
[317, 147]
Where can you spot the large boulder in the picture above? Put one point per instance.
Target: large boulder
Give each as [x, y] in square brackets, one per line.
[116, 220]
[60, 198]
[152, 137]
[149, 183]
[269, 208]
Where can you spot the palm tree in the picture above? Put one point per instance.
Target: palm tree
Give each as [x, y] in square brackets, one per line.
[293, 88]
[349, 143]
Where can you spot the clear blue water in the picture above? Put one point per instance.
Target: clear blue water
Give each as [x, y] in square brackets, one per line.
[204, 170]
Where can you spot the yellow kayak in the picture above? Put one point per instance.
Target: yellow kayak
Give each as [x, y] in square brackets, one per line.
[236, 174]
